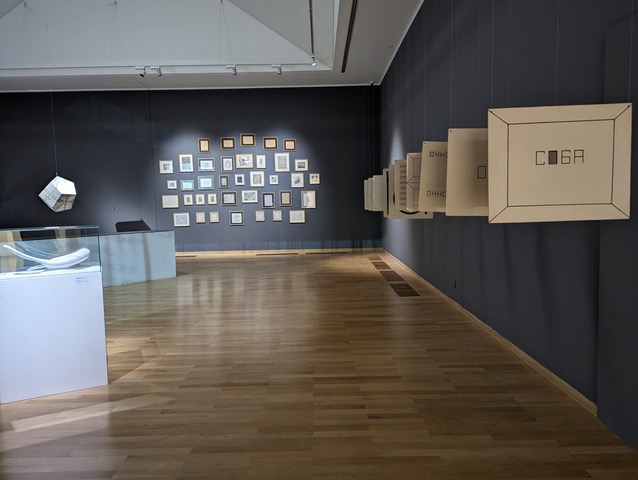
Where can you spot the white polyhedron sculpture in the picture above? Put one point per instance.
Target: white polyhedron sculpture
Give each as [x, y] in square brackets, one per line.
[59, 194]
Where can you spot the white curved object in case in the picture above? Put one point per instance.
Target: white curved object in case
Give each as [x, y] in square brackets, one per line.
[56, 263]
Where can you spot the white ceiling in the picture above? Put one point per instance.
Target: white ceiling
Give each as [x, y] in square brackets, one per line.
[97, 44]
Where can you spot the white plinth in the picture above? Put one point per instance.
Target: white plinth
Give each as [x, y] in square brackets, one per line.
[52, 336]
[137, 257]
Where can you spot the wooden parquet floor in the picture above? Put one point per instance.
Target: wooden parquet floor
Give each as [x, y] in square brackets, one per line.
[304, 367]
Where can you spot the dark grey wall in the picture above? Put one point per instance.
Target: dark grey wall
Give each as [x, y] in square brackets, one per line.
[538, 285]
[109, 144]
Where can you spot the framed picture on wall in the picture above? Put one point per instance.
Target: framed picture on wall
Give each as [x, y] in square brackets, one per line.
[296, 180]
[181, 220]
[227, 143]
[213, 217]
[297, 216]
[188, 199]
[171, 184]
[224, 181]
[228, 164]
[285, 198]
[290, 144]
[301, 165]
[186, 162]
[212, 199]
[236, 218]
[166, 166]
[170, 201]
[268, 200]
[244, 160]
[248, 140]
[200, 217]
[249, 196]
[229, 199]
[200, 199]
[270, 143]
[260, 161]
[260, 216]
[277, 216]
[257, 179]
[204, 145]
[308, 199]
[206, 164]
[187, 185]
[273, 179]
[314, 179]
[240, 179]
[282, 162]
[205, 182]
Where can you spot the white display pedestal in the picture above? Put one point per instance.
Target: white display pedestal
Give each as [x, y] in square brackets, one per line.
[52, 334]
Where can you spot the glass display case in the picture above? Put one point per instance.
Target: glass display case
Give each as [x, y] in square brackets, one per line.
[52, 335]
[49, 250]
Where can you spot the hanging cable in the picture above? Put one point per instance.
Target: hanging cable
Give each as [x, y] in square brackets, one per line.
[150, 129]
[631, 47]
[492, 74]
[312, 33]
[478, 70]
[55, 148]
[509, 61]
[557, 37]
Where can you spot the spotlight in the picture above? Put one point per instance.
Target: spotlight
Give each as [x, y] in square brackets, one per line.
[277, 67]
[233, 68]
[141, 69]
[314, 61]
[157, 69]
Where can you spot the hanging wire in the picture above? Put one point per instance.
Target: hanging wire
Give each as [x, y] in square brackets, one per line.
[150, 129]
[114, 5]
[631, 47]
[492, 74]
[557, 37]
[452, 73]
[509, 60]
[219, 29]
[366, 126]
[55, 148]
[478, 68]
[425, 69]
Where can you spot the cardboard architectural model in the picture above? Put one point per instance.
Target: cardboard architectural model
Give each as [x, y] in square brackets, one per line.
[59, 194]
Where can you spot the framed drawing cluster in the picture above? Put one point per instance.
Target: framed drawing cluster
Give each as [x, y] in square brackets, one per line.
[199, 183]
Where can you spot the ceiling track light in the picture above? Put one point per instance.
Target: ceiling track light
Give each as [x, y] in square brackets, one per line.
[141, 69]
[157, 69]
[233, 68]
[314, 61]
[278, 68]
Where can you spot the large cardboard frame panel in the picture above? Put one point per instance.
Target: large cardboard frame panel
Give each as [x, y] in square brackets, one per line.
[379, 193]
[467, 172]
[391, 209]
[413, 181]
[433, 188]
[559, 163]
[400, 184]
[367, 194]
